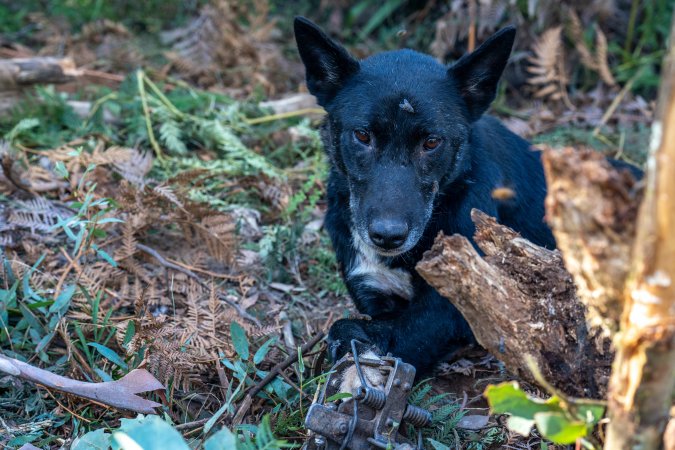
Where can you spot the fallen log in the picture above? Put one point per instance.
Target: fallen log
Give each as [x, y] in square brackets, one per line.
[20, 72]
[519, 299]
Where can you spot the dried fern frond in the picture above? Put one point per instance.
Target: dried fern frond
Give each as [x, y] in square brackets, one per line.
[130, 163]
[547, 67]
[597, 62]
[128, 248]
[218, 233]
[168, 193]
[38, 214]
[601, 57]
[216, 41]
[40, 179]
[93, 31]
[454, 25]
[276, 192]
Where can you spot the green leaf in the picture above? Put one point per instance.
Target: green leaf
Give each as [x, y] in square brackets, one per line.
[224, 439]
[94, 440]
[239, 340]
[508, 398]
[38, 305]
[559, 429]
[104, 376]
[98, 233]
[62, 302]
[109, 220]
[46, 339]
[129, 333]
[27, 290]
[23, 125]
[60, 169]
[386, 10]
[104, 255]
[109, 354]
[31, 319]
[147, 433]
[520, 425]
[18, 441]
[437, 445]
[78, 240]
[590, 412]
[263, 350]
[339, 396]
[301, 362]
[212, 421]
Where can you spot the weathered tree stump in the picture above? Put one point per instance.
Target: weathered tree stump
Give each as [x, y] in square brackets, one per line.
[519, 299]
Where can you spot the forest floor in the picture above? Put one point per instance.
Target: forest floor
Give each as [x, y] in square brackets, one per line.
[166, 219]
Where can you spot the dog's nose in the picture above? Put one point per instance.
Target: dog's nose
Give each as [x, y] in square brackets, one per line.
[388, 233]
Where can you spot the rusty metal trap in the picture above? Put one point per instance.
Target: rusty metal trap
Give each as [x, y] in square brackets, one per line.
[372, 418]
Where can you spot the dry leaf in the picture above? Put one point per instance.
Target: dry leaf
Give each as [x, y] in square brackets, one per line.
[474, 422]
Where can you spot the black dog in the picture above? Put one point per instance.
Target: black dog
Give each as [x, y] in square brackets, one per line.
[411, 154]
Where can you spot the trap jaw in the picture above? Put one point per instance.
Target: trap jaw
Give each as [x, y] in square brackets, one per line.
[372, 418]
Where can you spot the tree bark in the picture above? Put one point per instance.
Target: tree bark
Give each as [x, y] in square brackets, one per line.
[643, 373]
[592, 208]
[519, 299]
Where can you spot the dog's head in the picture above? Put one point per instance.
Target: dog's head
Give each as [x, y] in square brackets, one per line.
[398, 127]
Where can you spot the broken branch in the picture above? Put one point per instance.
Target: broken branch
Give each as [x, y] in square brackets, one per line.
[119, 394]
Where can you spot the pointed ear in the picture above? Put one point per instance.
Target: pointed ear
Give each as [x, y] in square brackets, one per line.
[478, 73]
[327, 63]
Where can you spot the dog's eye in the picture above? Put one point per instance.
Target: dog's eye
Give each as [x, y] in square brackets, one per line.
[362, 136]
[431, 143]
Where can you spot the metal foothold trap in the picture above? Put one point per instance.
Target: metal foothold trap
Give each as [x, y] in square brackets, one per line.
[372, 418]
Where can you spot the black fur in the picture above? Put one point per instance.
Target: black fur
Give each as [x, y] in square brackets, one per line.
[411, 155]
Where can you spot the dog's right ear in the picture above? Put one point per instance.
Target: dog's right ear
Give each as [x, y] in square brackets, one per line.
[327, 63]
[478, 73]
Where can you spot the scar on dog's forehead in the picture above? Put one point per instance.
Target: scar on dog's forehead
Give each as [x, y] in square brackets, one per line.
[406, 106]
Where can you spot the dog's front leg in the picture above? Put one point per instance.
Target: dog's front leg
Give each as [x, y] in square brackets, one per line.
[420, 334]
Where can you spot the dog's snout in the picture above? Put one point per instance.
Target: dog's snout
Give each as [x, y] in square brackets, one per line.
[388, 233]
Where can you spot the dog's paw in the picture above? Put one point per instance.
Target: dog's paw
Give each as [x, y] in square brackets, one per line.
[373, 376]
[341, 335]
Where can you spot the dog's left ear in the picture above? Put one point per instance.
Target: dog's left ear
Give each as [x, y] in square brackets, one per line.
[477, 73]
[326, 62]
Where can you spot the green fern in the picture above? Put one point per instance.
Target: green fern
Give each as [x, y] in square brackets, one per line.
[216, 135]
[445, 415]
[419, 393]
[23, 125]
[170, 133]
[264, 438]
[433, 400]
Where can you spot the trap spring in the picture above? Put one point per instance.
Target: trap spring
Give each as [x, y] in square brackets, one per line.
[372, 418]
